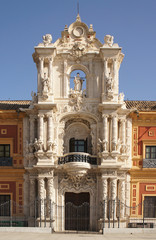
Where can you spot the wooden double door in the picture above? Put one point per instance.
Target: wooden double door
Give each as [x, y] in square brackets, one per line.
[77, 211]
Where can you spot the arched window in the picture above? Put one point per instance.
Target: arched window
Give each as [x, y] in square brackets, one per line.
[78, 80]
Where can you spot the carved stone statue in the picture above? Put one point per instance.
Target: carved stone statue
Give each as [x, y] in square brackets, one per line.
[103, 145]
[45, 84]
[34, 97]
[38, 145]
[108, 39]
[47, 39]
[109, 87]
[78, 83]
[51, 146]
[31, 147]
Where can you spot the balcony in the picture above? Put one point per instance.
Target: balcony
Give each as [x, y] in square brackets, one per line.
[149, 163]
[77, 157]
[77, 164]
[6, 161]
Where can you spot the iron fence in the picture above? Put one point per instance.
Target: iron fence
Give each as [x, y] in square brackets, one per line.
[108, 214]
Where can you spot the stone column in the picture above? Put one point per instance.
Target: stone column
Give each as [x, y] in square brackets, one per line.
[32, 196]
[122, 197]
[105, 74]
[40, 127]
[41, 68]
[105, 130]
[41, 188]
[66, 85]
[32, 128]
[90, 86]
[50, 75]
[123, 131]
[50, 195]
[26, 194]
[105, 67]
[115, 75]
[50, 128]
[114, 132]
[105, 193]
[129, 141]
[113, 184]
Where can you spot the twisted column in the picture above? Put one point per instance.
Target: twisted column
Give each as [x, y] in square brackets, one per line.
[41, 188]
[113, 184]
[122, 197]
[105, 192]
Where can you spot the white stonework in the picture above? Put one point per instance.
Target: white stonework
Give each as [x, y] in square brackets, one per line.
[61, 115]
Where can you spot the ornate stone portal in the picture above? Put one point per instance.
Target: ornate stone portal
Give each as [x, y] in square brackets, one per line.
[77, 141]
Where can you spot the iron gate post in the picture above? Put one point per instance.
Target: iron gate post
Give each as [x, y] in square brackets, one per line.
[113, 211]
[44, 201]
[40, 213]
[109, 208]
[119, 215]
[35, 213]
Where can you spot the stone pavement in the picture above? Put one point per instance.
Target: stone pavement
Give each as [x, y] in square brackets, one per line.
[55, 236]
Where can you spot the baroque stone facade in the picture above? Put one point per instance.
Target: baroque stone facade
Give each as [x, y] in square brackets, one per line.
[77, 139]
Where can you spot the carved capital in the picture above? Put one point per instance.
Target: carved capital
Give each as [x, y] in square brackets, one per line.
[41, 59]
[104, 115]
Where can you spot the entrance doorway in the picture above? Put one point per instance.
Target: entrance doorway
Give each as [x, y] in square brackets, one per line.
[77, 211]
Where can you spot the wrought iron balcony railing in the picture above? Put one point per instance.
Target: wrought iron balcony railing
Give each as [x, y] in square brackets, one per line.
[149, 163]
[77, 157]
[6, 161]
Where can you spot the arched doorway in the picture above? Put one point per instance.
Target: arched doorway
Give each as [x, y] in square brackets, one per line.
[77, 211]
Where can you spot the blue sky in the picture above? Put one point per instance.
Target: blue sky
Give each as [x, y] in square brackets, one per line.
[131, 22]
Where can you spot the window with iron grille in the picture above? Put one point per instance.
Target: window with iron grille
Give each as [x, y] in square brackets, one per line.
[4, 205]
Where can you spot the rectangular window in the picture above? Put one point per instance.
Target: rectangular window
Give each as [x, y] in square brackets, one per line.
[4, 150]
[4, 205]
[150, 152]
[78, 145]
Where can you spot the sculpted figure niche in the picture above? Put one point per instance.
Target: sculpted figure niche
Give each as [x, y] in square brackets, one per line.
[78, 83]
[77, 95]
